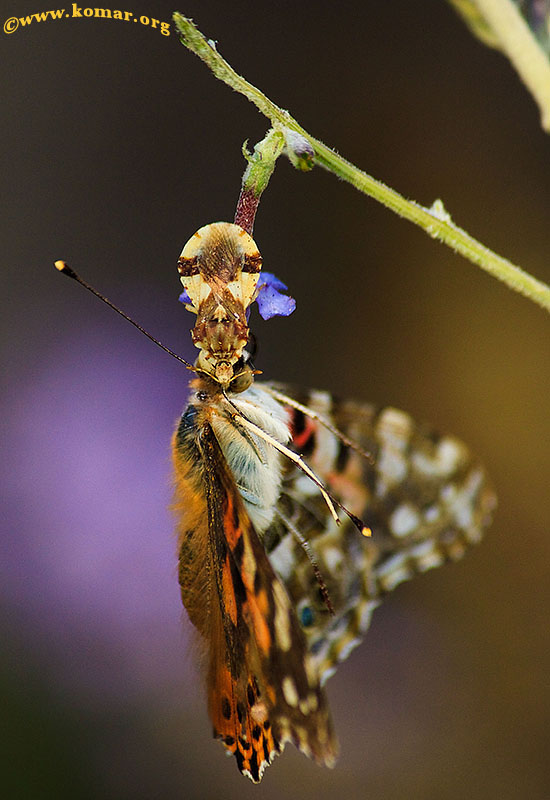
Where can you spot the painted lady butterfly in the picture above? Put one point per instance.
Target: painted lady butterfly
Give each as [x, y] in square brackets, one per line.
[278, 589]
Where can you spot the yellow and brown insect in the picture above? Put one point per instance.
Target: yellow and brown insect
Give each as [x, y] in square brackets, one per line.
[219, 269]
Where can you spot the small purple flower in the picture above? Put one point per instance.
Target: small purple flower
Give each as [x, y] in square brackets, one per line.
[271, 302]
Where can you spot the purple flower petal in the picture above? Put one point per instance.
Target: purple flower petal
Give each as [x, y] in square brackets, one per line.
[269, 279]
[272, 303]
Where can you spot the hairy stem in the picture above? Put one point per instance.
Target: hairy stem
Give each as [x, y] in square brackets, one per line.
[261, 163]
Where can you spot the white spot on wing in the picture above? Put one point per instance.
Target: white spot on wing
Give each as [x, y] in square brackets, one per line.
[432, 514]
[328, 673]
[404, 520]
[394, 428]
[283, 558]
[305, 486]
[366, 614]
[426, 556]
[445, 460]
[333, 558]
[392, 466]
[347, 648]
[449, 453]
[282, 620]
[393, 572]
[289, 691]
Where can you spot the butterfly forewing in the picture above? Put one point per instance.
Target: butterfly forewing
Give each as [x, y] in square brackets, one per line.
[263, 686]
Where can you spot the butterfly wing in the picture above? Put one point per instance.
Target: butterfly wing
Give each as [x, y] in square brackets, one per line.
[263, 686]
[424, 496]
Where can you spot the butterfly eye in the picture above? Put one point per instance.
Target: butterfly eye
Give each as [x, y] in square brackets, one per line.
[242, 380]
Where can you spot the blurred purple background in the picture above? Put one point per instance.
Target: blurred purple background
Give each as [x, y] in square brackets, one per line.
[118, 145]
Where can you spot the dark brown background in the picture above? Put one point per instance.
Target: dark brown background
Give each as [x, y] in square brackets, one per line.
[118, 144]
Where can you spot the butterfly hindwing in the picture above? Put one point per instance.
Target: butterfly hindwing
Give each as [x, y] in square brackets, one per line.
[424, 496]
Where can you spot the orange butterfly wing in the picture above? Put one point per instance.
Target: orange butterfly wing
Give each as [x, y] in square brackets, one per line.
[262, 686]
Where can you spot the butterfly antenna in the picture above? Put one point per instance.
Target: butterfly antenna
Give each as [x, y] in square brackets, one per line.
[303, 542]
[329, 499]
[308, 412]
[64, 268]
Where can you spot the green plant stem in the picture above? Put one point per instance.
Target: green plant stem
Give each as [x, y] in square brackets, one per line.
[435, 220]
[261, 163]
